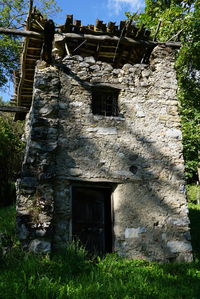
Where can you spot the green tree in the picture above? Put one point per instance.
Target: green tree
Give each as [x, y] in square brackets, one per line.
[174, 17]
[13, 14]
[188, 72]
[179, 20]
[11, 151]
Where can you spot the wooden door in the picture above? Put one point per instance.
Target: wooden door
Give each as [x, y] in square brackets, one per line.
[91, 218]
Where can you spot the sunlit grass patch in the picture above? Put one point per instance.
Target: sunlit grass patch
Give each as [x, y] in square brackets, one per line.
[72, 274]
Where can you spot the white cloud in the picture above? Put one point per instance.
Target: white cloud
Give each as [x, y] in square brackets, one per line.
[130, 5]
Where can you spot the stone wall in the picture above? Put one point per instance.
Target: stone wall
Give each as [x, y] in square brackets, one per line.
[138, 152]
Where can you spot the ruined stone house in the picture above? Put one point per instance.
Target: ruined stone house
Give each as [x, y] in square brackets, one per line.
[103, 161]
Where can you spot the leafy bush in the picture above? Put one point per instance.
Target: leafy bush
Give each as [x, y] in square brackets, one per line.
[11, 151]
[178, 20]
[193, 194]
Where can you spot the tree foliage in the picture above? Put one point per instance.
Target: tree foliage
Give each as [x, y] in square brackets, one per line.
[13, 14]
[174, 18]
[11, 150]
[179, 20]
[188, 70]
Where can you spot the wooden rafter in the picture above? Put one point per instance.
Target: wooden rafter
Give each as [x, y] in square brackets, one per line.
[110, 43]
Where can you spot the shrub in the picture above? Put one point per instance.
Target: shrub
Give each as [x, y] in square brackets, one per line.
[193, 194]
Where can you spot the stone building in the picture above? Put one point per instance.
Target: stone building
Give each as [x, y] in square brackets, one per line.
[103, 161]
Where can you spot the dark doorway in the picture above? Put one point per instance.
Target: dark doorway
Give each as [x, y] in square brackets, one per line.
[91, 218]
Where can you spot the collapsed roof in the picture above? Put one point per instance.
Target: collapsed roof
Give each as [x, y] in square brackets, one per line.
[113, 44]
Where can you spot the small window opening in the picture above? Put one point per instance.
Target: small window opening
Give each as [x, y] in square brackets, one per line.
[105, 102]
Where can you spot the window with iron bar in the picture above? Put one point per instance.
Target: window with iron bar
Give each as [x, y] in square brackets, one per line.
[105, 102]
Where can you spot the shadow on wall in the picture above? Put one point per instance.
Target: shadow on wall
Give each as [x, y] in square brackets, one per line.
[156, 214]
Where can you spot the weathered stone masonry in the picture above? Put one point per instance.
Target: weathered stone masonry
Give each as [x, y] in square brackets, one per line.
[138, 153]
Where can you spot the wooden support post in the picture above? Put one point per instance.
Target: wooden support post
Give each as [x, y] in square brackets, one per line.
[134, 31]
[140, 33]
[69, 20]
[122, 25]
[97, 51]
[77, 25]
[147, 34]
[91, 27]
[128, 27]
[68, 23]
[67, 49]
[99, 26]
[111, 27]
[49, 30]
[157, 30]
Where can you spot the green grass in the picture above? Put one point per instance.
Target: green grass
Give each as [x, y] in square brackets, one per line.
[72, 275]
[7, 220]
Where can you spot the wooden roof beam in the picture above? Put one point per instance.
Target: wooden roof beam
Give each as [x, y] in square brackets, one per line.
[123, 40]
[21, 32]
[14, 109]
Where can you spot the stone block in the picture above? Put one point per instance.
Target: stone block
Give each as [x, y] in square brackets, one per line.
[140, 113]
[74, 171]
[82, 73]
[116, 71]
[106, 131]
[39, 246]
[28, 182]
[179, 246]
[23, 232]
[146, 73]
[127, 66]
[84, 65]
[134, 232]
[90, 60]
[179, 221]
[108, 68]
[174, 133]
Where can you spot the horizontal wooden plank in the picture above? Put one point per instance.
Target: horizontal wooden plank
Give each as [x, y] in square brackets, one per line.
[34, 48]
[26, 95]
[122, 40]
[14, 31]
[14, 109]
[33, 59]
[27, 88]
[27, 80]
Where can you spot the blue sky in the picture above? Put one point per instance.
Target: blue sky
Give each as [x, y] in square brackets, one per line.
[88, 11]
